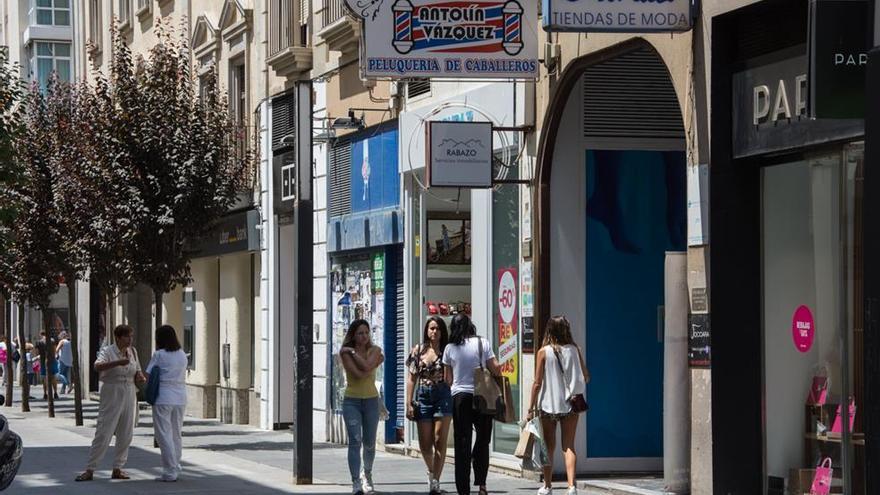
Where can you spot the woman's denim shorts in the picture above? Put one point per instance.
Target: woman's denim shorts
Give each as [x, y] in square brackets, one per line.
[434, 402]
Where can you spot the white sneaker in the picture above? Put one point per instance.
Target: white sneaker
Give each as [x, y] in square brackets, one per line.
[430, 482]
[544, 490]
[357, 488]
[572, 490]
[368, 483]
[435, 486]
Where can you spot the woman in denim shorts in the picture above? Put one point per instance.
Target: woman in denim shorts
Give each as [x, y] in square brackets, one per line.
[429, 399]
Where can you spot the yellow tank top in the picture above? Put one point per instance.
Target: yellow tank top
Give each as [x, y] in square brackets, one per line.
[361, 388]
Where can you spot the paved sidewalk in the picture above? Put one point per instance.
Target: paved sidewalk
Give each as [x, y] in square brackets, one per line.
[217, 458]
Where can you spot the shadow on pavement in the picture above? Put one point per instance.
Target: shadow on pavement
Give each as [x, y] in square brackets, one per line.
[51, 470]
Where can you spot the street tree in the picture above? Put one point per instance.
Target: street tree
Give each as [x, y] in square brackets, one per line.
[36, 248]
[10, 94]
[187, 167]
[76, 197]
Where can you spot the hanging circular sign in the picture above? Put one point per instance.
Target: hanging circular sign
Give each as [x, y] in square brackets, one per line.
[803, 328]
[507, 296]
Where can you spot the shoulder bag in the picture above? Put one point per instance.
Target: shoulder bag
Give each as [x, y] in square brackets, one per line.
[151, 391]
[487, 393]
[577, 401]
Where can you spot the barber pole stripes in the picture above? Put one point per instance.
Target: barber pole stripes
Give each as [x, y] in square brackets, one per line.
[512, 27]
[403, 32]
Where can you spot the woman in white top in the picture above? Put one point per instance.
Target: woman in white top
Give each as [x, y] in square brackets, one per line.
[170, 361]
[560, 373]
[460, 358]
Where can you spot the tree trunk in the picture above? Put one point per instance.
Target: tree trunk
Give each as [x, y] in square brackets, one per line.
[74, 349]
[25, 384]
[9, 368]
[47, 361]
[157, 297]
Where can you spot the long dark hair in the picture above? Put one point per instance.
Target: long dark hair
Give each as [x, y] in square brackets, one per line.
[460, 329]
[558, 332]
[348, 341]
[166, 338]
[444, 333]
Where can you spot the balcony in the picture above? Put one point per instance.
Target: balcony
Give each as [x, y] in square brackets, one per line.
[289, 53]
[338, 30]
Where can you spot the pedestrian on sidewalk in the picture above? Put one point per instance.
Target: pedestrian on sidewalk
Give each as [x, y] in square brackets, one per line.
[33, 364]
[46, 347]
[465, 352]
[65, 362]
[561, 374]
[169, 361]
[429, 398]
[117, 413]
[360, 408]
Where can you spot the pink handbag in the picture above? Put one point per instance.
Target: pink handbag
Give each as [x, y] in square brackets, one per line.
[822, 479]
[837, 427]
[818, 391]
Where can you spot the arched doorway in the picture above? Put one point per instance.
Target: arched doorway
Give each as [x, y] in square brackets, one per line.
[611, 205]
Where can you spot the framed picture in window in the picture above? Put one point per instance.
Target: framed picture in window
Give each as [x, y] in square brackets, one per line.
[449, 240]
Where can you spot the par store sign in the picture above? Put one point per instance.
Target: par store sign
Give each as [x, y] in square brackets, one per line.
[642, 16]
[489, 39]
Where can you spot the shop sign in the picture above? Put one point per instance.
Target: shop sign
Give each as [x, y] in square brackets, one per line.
[460, 154]
[232, 233]
[699, 341]
[643, 16]
[803, 328]
[495, 39]
[528, 334]
[839, 44]
[770, 110]
[507, 323]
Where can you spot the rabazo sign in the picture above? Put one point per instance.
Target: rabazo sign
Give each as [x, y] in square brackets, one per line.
[460, 154]
[444, 38]
[618, 15]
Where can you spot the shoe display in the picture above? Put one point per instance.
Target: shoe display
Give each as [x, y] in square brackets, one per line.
[545, 490]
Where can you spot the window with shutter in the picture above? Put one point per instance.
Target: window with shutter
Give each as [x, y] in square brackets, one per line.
[631, 96]
[283, 120]
[418, 87]
[339, 202]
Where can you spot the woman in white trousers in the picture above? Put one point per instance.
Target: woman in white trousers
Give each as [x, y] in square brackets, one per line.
[117, 414]
[170, 362]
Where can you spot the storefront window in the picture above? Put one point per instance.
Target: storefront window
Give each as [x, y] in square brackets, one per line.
[505, 264]
[808, 261]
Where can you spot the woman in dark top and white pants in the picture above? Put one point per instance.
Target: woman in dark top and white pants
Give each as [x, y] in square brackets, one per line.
[460, 358]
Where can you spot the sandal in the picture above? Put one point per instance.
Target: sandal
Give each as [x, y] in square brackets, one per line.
[86, 476]
[119, 474]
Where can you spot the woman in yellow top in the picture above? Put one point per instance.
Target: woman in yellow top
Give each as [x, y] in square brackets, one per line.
[360, 409]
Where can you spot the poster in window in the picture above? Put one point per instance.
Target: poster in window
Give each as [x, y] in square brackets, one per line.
[449, 241]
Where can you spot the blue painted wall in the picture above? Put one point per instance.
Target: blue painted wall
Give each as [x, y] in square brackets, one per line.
[635, 213]
[376, 183]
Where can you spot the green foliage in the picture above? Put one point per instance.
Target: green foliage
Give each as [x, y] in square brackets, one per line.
[10, 122]
[185, 172]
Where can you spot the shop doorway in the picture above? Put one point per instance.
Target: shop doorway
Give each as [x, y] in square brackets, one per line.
[615, 205]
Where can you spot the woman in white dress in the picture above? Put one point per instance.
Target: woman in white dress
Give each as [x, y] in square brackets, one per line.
[117, 413]
[560, 373]
[169, 361]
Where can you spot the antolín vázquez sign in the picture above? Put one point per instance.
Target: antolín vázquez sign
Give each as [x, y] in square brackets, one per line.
[495, 39]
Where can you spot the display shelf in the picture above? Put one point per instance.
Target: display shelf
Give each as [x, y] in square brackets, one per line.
[857, 438]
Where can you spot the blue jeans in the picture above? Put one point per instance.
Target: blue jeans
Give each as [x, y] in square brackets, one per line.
[64, 377]
[361, 422]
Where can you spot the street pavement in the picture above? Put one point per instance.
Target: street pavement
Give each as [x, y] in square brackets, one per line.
[217, 459]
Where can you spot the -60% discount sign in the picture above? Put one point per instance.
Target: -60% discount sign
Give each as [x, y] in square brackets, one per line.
[507, 296]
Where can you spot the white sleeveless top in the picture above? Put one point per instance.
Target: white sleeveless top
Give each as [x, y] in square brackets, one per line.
[557, 388]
